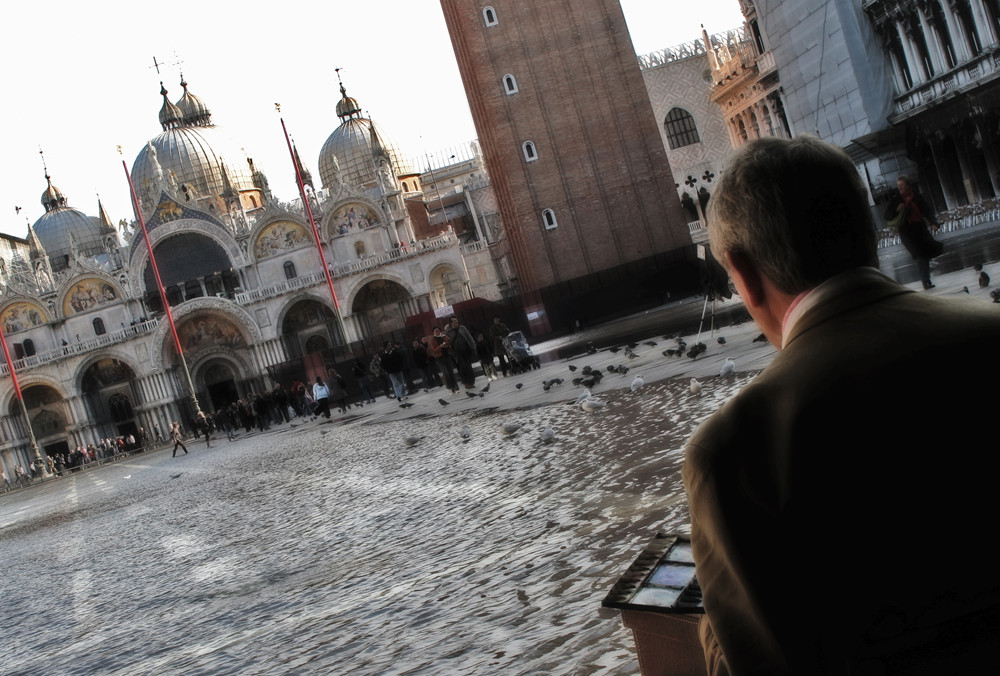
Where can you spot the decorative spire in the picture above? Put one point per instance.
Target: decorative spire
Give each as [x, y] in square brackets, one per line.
[35, 247]
[170, 115]
[347, 107]
[194, 112]
[307, 178]
[103, 215]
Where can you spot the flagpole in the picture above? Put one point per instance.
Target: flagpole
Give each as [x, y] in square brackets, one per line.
[159, 286]
[312, 222]
[24, 409]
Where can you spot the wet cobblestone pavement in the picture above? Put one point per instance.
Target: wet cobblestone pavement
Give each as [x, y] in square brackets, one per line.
[335, 548]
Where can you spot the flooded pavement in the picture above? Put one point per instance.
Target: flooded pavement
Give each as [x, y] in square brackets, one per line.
[335, 548]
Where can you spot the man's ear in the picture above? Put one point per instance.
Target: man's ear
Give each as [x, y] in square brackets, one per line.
[746, 278]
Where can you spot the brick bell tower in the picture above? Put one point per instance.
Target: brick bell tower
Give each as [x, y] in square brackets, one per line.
[569, 139]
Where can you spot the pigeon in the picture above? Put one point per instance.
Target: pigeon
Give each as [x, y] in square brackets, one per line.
[583, 395]
[405, 404]
[485, 389]
[613, 349]
[728, 369]
[630, 354]
[590, 382]
[519, 386]
[473, 395]
[442, 402]
[172, 476]
[548, 435]
[760, 339]
[995, 295]
[465, 433]
[510, 428]
[557, 381]
[636, 383]
[622, 369]
[632, 346]
[695, 387]
[669, 353]
[965, 289]
[651, 343]
[590, 348]
[612, 369]
[546, 386]
[590, 405]
[412, 441]
[576, 381]
[572, 367]
[587, 370]
[696, 350]
[721, 340]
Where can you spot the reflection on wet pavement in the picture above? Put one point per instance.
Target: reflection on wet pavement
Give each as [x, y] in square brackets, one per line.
[339, 549]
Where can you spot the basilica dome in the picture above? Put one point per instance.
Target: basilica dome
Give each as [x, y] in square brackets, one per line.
[351, 147]
[192, 157]
[61, 226]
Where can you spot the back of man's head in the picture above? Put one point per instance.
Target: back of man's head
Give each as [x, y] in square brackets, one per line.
[796, 208]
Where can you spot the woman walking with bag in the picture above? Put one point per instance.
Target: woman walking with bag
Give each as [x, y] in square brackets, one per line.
[910, 213]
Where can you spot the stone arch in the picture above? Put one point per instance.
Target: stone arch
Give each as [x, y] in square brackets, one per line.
[305, 321]
[381, 305]
[21, 314]
[87, 292]
[163, 351]
[105, 383]
[219, 378]
[139, 257]
[351, 215]
[48, 412]
[280, 236]
[446, 285]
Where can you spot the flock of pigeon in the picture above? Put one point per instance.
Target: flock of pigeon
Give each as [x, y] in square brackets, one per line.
[588, 377]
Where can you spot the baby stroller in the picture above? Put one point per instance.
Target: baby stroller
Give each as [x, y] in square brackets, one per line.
[519, 353]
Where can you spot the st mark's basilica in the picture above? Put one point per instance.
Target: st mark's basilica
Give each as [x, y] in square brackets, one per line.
[83, 316]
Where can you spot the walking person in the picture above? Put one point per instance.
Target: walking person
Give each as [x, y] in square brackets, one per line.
[175, 436]
[6, 480]
[338, 390]
[485, 352]
[499, 331]
[439, 349]
[463, 347]
[360, 374]
[916, 216]
[204, 425]
[321, 394]
[392, 362]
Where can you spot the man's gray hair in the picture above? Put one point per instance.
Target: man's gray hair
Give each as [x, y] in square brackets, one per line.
[796, 208]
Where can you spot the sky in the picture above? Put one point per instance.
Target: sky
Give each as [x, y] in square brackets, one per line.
[80, 81]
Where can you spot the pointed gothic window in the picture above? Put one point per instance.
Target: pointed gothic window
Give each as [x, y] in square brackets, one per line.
[681, 129]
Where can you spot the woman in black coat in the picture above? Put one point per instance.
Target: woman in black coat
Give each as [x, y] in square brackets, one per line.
[917, 215]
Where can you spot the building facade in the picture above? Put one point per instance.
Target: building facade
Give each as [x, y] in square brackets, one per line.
[81, 310]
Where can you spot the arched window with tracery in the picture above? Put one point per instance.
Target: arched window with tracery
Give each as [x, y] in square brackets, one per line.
[681, 129]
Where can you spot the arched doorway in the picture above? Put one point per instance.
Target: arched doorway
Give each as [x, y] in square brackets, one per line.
[310, 326]
[48, 414]
[217, 379]
[191, 265]
[382, 307]
[109, 398]
[446, 286]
